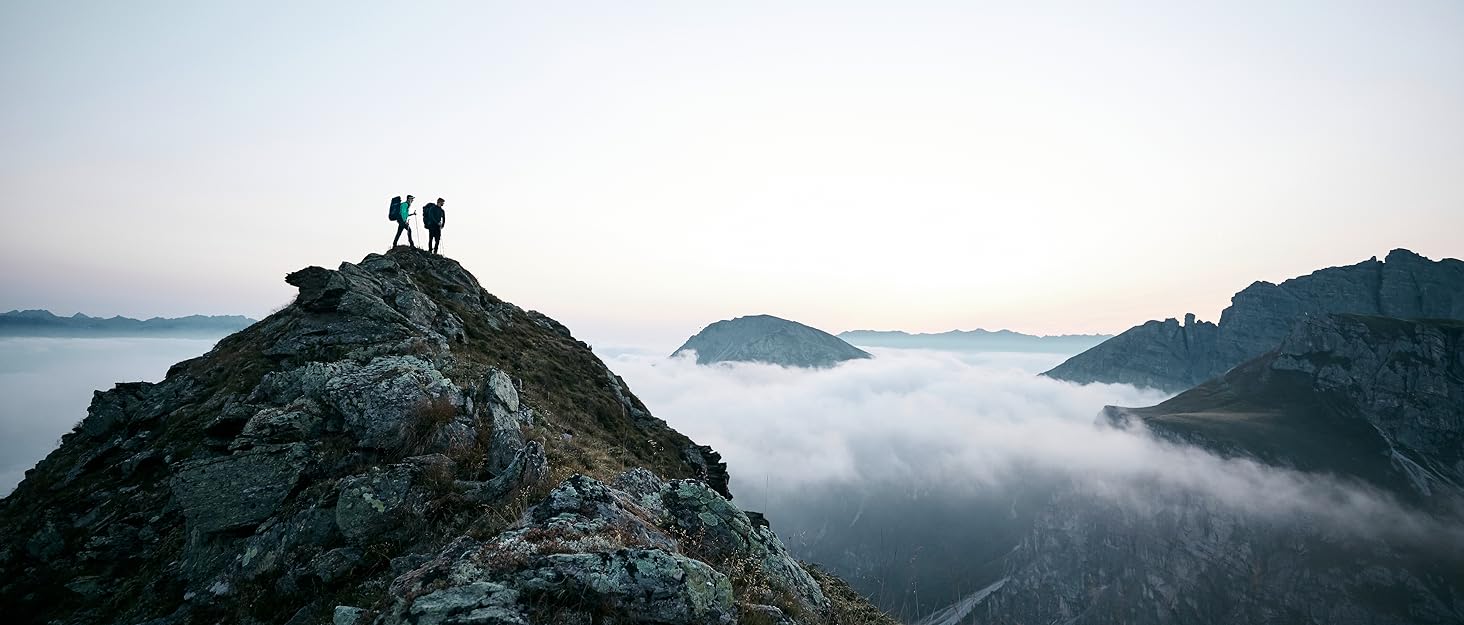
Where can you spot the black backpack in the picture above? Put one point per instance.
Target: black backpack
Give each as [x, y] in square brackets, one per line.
[395, 212]
[432, 215]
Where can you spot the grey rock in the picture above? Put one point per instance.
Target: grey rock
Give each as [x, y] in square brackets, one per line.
[764, 338]
[301, 421]
[112, 409]
[46, 543]
[476, 602]
[268, 551]
[1173, 357]
[592, 551]
[336, 564]
[374, 504]
[643, 485]
[380, 401]
[499, 388]
[234, 491]
[505, 441]
[347, 615]
[724, 533]
[90, 586]
[649, 586]
[528, 467]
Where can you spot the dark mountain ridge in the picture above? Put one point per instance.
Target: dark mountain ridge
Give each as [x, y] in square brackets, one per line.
[1371, 402]
[44, 323]
[1171, 356]
[976, 340]
[395, 446]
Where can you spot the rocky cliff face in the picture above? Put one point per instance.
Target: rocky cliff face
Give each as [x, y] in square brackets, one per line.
[1171, 357]
[395, 446]
[764, 338]
[1371, 401]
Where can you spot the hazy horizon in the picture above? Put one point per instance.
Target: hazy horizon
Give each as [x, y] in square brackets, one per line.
[640, 170]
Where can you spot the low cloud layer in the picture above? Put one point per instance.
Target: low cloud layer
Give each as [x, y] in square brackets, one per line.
[975, 423]
[47, 384]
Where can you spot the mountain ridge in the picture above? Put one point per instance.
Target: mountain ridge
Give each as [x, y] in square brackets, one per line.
[1171, 356]
[44, 323]
[977, 339]
[1365, 401]
[396, 445]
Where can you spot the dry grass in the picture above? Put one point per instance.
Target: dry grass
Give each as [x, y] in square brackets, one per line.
[846, 606]
[420, 430]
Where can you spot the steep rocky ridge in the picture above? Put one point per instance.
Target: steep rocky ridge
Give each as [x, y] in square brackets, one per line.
[765, 338]
[1173, 357]
[1371, 401]
[395, 446]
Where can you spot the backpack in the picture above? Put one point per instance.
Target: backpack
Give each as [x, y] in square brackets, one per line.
[395, 212]
[432, 215]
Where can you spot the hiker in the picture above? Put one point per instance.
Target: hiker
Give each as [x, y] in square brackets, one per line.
[399, 213]
[434, 216]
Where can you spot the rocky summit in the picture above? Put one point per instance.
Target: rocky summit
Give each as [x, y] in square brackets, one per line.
[1173, 356]
[769, 339]
[1369, 402]
[395, 446]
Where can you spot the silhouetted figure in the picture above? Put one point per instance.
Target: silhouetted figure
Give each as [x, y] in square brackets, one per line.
[400, 213]
[434, 216]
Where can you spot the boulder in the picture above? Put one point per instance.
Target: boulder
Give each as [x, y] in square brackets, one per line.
[372, 505]
[235, 491]
[381, 401]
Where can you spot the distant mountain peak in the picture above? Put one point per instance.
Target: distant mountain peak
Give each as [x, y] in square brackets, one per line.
[769, 339]
[979, 339]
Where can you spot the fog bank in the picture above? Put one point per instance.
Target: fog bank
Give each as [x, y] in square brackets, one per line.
[47, 384]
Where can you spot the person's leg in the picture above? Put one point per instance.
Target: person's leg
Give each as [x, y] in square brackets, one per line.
[397, 239]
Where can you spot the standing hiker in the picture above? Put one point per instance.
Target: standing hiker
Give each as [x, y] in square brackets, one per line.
[434, 216]
[399, 213]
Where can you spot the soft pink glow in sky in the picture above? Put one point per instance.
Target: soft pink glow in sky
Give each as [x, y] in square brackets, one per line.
[639, 170]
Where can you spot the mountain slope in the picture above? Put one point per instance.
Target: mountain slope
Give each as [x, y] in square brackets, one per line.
[765, 338]
[1173, 357]
[1368, 401]
[397, 445]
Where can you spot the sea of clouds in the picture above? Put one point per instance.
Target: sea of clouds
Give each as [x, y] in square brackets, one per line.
[47, 383]
[974, 423]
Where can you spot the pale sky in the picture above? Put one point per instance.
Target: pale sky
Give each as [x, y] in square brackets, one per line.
[638, 170]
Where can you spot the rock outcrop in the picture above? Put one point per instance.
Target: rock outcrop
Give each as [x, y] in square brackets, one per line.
[764, 338]
[1173, 357]
[1368, 401]
[395, 446]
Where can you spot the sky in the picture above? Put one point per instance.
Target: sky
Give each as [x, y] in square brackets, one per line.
[638, 170]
